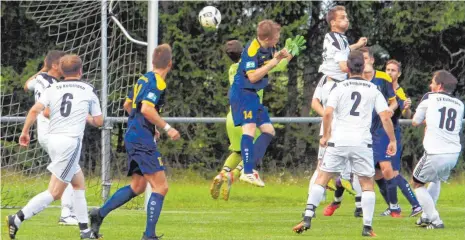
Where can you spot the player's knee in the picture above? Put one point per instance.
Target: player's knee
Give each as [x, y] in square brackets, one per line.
[161, 189]
[56, 194]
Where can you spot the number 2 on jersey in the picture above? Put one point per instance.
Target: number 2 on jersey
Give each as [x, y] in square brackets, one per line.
[66, 104]
[450, 121]
[357, 97]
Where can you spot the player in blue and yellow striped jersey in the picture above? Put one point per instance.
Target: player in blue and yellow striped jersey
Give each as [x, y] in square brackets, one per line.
[258, 58]
[144, 161]
[393, 69]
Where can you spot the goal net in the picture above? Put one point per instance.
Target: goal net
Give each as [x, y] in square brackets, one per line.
[77, 28]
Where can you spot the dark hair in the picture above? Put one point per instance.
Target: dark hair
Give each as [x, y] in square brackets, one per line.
[234, 50]
[355, 62]
[53, 57]
[267, 29]
[161, 56]
[395, 62]
[446, 79]
[70, 65]
[367, 50]
[331, 15]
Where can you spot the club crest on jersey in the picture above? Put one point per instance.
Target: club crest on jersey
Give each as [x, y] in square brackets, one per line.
[152, 96]
[250, 64]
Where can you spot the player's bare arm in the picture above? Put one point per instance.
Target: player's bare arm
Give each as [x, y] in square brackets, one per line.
[407, 111]
[258, 74]
[385, 117]
[127, 106]
[393, 105]
[96, 121]
[151, 114]
[327, 119]
[316, 105]
[362, 42]
[343, 66]
[30, 119]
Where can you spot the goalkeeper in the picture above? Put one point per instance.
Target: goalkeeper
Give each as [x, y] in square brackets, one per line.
[233, 164]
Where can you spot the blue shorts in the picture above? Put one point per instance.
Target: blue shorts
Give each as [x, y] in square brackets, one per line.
[380, 143]
[143, 161]
[246, 108]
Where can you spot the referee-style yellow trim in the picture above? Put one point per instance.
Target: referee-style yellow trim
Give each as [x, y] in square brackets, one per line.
[250, 71]
[144, 78]
[383, 75]
[161, 84]
[401, 94]
[148, 103]
[128, 100]
[392, 98]
[253, 48]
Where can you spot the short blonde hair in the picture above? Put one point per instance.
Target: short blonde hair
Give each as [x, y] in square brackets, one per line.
[395, 62]
[331, 15]
[162, 56]
[70, 65]
[267, 29]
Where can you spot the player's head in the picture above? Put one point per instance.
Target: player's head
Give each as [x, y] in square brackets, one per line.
[52, 60]
[394, 69]
[268, 33]
[367, 54]
[368, 71]
[162, 57]
[71, 66]
[234, 50]
[355, 63]
[443, 81]
[337, 19]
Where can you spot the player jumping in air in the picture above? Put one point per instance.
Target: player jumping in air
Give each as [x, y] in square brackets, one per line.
[233, 165]
[257, 59]
[443, 115]
[347, 136]
[70, 102]
[145, 163]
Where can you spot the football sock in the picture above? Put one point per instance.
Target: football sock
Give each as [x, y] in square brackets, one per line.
[391, 186]
[120, 197]
[406, 190]
[358, 190]
[338, 194]
[80, 205]
[247, 152]
[427, 203]
[434, 188]
[314, 198]
[34, 206]
[154, 206]
[260, 146]
[368, 207]
[236, 173]
[383, 189]
[67, 201]
[231, 162]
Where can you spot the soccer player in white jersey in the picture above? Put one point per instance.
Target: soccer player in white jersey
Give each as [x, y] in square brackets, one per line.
[443, 115]
[47, 76]
[347, 122]
[336, 49]
[70, 102]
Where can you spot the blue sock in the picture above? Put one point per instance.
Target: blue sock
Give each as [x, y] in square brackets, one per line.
[407, 191]
[153, 212]
[260, 146]
[120, 197]
[391, 186]
[382, 189]
[247, 152]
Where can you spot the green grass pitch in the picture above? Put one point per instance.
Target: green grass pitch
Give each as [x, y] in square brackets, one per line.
[253, 213]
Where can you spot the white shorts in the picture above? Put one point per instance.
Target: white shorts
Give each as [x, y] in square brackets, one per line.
[65, 153]
[321, 152]
[356, 159]
[43, 141]
[347, 170]
[435, 167]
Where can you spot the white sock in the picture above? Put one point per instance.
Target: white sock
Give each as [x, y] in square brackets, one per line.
[314, 198]
[312, 180]
[358, 189]
[80, 206]
[368, 207]
[35, 205]
[434, 189]
[67, 201]
[427, 203]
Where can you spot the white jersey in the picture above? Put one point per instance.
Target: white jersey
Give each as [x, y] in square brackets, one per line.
[41, 82]
[444, 116]
[353, 101]
[322, 91]
[70, 102]
[335, 49]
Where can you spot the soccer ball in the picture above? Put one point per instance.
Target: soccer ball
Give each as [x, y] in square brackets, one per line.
[210, 17]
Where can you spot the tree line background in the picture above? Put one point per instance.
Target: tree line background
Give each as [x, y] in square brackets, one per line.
[423, 36]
